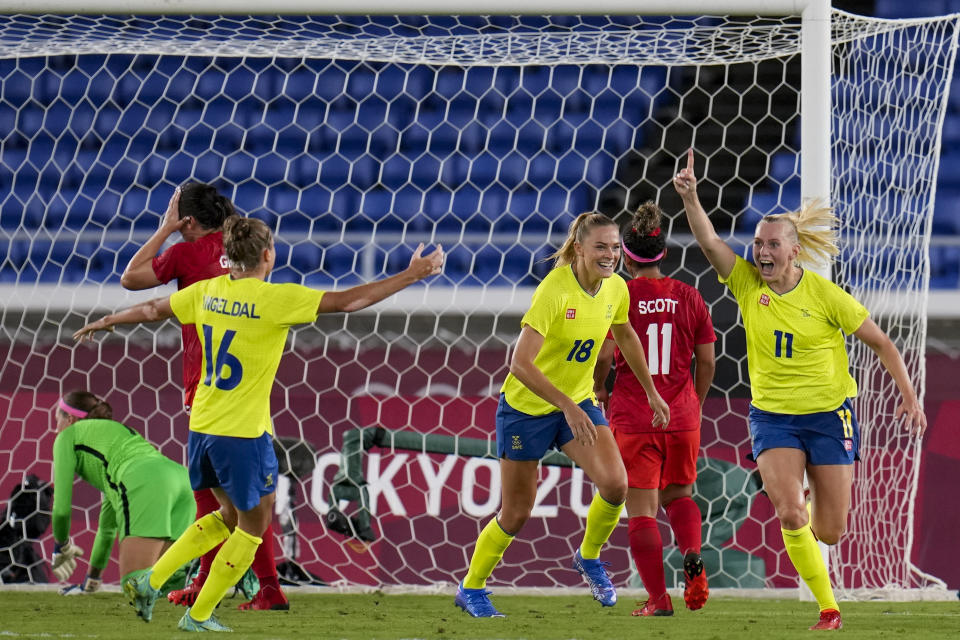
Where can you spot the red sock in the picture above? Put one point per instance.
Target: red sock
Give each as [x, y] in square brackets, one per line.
[684, 517]
[206, 503]
[647, 550]
[264, 564]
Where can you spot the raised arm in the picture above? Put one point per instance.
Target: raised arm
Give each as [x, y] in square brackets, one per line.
[364, 295]
[718, 253]
[632, 352]
[139, 272]
[909, 408]
[150, 311]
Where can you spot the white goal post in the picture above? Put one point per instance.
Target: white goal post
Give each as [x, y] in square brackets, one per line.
[393, 123]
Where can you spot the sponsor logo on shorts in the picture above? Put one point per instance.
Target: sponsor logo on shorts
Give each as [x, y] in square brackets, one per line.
[571, 314]
[517, 445]
[269, 481]
[764, 299]
[848, 444]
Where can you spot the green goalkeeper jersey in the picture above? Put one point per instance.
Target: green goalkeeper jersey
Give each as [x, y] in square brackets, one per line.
[99, 451]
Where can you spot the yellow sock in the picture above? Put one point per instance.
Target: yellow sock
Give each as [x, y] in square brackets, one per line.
[602, 519]
[805, 555]
[232, 561]
[491, 544]
[200, 537]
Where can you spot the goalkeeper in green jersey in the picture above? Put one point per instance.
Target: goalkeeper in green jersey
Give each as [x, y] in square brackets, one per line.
[147, 499]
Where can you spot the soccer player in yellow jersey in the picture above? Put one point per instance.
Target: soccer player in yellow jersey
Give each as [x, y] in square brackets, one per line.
[242, 323]
[801, 417]
[547, 401]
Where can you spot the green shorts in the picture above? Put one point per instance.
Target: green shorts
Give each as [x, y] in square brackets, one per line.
[154, 499]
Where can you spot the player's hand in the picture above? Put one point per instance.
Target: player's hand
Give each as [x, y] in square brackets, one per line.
[171, 220]
[914, 419]
[422, 266]
[89, 585]
[661, 411]
[603, 397]
[685, 182]
[86, 332]
[64, 560]
[584, 431]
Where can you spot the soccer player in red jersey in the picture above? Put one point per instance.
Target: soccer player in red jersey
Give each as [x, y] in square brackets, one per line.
[198, 212]
[675, 327]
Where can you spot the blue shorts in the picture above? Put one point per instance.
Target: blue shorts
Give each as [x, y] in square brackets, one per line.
[246, 468]
[828, 437]
[521, 436]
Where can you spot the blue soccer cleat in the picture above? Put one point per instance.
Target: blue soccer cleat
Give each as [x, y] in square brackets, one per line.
[476, 602]
[141, 595]
[596, 574]
[210, 624]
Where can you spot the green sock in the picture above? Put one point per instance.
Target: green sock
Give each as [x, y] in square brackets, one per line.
[491, 544]
[232, 561]
[200, 537]
[806, 558]
[602, 519]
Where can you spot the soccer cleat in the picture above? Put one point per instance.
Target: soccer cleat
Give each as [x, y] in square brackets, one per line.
[249, 584]
[662, 606]
[141, 595]
[696, 592]
[596, 574]
[829, 621]
[187, 596]
[476, 602]
[267, 599]
[210, 624]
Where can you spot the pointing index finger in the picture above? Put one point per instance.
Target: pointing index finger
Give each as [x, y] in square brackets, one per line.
[690, 160]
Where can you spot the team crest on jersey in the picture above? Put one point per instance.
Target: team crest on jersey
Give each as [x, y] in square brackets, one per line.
[571, 314]
[517, 444]
[764, 299]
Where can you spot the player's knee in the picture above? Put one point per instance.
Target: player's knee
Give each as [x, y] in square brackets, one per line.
[792, 516]
[513, 520]
[829, 535]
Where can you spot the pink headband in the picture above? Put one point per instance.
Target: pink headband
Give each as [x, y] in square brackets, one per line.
[76, 413]
[637, 258]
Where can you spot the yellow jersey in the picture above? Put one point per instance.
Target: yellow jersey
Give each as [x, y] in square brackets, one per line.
[796, 351]
[574, 325]
[242, 325]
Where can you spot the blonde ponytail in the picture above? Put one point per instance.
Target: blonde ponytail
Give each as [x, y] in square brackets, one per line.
[815, 228]
[579, 229]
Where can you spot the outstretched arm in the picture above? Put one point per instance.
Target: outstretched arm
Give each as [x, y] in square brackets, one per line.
[364, 295]
[909, 407]
[139, 273]
[150, 311]
[718, 253]
[632, 352]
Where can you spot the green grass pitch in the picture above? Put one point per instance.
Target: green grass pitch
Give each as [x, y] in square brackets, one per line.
[385, 617]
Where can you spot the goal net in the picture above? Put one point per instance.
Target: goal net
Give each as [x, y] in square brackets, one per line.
[356, 138]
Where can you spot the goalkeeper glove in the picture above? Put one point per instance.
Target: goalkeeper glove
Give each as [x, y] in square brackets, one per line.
[65, 559]
[89, 585]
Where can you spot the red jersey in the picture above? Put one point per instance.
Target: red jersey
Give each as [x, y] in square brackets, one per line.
[191, 262]
[670, 318]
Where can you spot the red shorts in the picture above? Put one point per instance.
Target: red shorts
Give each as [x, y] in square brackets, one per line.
[655, 460]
